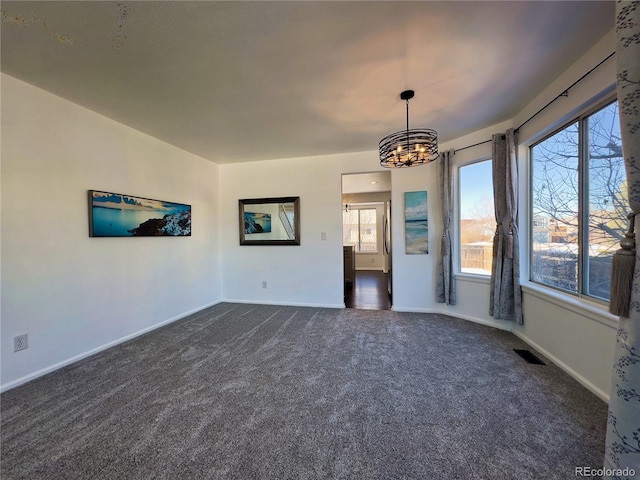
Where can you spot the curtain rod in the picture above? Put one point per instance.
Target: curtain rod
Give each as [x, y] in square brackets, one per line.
[565, 93]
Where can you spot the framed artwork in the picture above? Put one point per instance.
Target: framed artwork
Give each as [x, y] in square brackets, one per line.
[255, 222]
[119, 215]
[270, 221]
[416, 223]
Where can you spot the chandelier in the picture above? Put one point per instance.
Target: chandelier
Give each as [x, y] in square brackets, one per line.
[409, 148]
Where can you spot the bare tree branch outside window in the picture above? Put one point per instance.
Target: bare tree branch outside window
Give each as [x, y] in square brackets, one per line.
[579, 216]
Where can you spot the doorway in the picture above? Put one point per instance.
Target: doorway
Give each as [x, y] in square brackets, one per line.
[366, 234]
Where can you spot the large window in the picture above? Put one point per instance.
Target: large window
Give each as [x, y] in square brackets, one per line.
[359, 228]
[477, 218]
[579, 204]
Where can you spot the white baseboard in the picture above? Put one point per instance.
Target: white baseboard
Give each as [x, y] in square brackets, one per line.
[507, 326]
[579, 378]
[285, 304]
[69, 361]
[604, 396]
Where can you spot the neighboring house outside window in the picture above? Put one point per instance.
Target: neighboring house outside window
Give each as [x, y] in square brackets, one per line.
[578, 204]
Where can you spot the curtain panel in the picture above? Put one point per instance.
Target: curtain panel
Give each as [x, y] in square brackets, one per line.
[622, 449]
[445, 283]
[505, 301]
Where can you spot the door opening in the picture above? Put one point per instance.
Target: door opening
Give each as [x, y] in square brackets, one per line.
[366, 234]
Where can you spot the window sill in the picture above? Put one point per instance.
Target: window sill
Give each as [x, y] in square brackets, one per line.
[581, 306]
[470, 277]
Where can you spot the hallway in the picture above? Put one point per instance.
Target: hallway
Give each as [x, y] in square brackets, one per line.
[369, 292]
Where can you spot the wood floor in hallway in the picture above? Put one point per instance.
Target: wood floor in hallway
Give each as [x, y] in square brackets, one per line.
[370, 291]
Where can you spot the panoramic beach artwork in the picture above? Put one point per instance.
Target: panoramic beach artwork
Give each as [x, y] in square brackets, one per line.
[416, 223]
[118, 215]
[257, 222]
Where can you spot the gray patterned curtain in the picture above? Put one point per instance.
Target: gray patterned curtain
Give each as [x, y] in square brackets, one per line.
[506, 296]
[445, 284]
[622, 452]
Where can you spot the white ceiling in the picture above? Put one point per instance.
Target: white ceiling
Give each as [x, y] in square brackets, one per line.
[241, 81]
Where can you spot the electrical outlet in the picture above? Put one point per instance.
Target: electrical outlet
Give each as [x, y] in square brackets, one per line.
[264, 284]
[20, 342]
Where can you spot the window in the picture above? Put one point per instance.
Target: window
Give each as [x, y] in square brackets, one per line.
[477, 218]
[359, 228]
[579, 204]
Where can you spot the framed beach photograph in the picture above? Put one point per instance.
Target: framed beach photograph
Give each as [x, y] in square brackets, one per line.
[119, 215]
[416, 223]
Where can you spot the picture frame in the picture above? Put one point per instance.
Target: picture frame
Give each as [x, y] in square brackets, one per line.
[120, 215]
[269, 221]
[416, 223]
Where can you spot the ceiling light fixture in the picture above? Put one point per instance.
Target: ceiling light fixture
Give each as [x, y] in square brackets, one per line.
[409, 148]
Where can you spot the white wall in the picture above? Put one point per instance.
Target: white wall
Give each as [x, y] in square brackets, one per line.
[309, 274]
[578, 335]
[72, 294]
[414, 275]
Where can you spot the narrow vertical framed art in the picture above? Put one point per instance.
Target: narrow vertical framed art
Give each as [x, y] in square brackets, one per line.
[416, 223]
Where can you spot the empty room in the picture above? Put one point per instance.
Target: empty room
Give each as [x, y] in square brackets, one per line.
[319, 239]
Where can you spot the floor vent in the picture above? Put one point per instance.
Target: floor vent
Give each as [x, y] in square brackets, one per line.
[529, 357]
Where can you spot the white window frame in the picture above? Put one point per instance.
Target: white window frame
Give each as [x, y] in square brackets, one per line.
[458, 220]
[537, 286]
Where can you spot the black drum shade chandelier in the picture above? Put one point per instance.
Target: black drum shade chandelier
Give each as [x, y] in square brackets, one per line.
[409, 148]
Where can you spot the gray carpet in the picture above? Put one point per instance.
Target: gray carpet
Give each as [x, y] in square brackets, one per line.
[268, 392]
